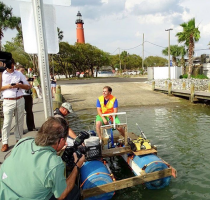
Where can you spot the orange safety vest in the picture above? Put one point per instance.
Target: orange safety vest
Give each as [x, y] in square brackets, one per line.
[109, 107]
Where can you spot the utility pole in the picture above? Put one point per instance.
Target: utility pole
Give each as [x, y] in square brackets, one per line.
[53, 66]
[126, 63]
[43, 57]
[169, 71]
[143, 53]
[119, 59]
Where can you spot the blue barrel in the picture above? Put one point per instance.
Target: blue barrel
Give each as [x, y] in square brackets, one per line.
[153, 164]
[95, 173]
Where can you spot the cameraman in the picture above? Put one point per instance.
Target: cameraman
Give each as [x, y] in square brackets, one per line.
[1, 71]
[12, 83]
[3, 55]
[34, 171]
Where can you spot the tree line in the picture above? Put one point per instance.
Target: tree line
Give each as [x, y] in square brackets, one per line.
[85, 57]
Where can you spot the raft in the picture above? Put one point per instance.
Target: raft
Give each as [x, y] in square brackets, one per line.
[97, 181]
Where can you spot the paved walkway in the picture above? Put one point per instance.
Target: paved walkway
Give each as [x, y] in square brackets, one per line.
[39, 118]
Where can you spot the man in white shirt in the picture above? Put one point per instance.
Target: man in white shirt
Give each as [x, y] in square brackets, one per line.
[12, 83]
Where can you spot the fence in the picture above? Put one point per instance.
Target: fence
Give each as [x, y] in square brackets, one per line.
[162, 72]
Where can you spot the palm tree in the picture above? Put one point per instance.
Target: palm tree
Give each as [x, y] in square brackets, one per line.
[7, 20]
[183, 52]
[174, 51]
[60, 34]
[189, 35]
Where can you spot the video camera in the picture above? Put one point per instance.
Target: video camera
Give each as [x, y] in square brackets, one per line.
[68, 157]
[5, 60]
[30, 79]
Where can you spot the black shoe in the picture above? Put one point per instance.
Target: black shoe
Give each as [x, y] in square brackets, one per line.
[34, 129]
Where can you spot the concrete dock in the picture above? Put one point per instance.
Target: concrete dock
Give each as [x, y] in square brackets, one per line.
[39, 118]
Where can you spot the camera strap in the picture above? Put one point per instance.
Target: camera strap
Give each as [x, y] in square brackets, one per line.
[24, 141]
[75, 164]
[32, 150]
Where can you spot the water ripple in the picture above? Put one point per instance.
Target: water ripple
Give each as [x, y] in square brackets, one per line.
[181, 134]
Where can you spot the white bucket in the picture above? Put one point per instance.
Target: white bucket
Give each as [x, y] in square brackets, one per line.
[92, 141]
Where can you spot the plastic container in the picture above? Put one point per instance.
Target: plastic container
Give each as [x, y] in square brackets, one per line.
[92, 141]
[152, 164]
[93, 174]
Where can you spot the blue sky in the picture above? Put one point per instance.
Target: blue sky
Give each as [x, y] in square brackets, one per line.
[113, 24]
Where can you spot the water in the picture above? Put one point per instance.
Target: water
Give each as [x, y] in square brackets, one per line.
[181, 134]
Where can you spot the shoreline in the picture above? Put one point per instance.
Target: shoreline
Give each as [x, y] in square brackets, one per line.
[84, 96]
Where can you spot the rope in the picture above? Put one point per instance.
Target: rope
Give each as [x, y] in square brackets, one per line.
[111, 175]
[159, 161]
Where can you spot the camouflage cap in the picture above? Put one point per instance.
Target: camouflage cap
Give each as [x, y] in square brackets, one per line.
[68, 106]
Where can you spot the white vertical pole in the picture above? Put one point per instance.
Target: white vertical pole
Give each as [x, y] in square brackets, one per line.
[43, 56]
[169, 64]
[143, 53]
[119, 58]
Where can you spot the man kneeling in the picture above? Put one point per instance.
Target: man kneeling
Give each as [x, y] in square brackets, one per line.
[34, 171]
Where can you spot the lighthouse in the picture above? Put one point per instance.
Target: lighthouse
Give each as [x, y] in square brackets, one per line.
[80, 31]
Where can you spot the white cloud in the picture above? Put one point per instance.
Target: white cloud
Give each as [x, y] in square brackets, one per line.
[151, 19]
[104, 1]
[186, 16]
[142, 7]
[205, 30]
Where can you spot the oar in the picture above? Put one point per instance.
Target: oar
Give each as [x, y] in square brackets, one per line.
[142, 133]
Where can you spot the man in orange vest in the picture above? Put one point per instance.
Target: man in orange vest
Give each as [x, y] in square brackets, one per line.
[106, 103]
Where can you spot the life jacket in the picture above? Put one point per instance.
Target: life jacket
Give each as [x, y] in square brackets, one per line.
[109, 107]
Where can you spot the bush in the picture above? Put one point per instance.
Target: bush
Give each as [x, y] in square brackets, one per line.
[183, 76]
[200, 76]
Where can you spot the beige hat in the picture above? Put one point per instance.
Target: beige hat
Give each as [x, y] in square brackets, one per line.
[68, 106]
